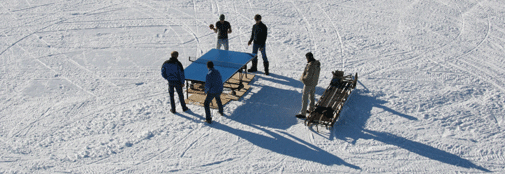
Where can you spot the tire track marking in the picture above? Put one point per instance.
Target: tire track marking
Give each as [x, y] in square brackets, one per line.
[44, 64]
[150, 15]
[169, 148]
[467, 52]
[53, 70]
[168, 25]
[197, 28]
[28, 127]
[417, 55]
[32, 7]
[308, 26]
[241, 33]
[188, 29]
[460, 59]
[338, 35]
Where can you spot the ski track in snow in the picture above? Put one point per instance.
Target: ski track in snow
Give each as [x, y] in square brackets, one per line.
[81, 90]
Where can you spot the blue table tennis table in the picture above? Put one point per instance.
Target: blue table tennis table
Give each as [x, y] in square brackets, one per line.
[228, 63]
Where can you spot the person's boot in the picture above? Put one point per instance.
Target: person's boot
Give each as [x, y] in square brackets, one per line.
[301, 116]
[265, 64]
[254, 66]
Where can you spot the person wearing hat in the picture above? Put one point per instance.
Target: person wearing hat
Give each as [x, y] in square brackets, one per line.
[173, 72]
[222, 29]
[309, 78]
[259, 36]
[213, 89]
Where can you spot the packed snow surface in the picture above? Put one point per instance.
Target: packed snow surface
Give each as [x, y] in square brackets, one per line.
[81, 89]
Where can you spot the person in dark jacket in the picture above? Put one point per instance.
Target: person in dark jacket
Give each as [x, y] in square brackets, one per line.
[222, 29]
[259, 36]
[173, 71]
[213, 89]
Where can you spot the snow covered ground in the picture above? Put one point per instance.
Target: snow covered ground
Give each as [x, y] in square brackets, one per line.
[81, 90]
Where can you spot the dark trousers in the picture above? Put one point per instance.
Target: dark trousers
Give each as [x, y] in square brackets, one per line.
[207, 102]
[178, 88]
[256, 47]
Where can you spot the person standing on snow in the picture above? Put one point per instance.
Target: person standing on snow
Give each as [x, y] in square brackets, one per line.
[259, 36]
[213, 89]
[222, 29]
[309, 78]
[173, 71]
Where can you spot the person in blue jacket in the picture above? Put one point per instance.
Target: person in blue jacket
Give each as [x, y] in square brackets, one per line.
[173, 71]
[213, 89]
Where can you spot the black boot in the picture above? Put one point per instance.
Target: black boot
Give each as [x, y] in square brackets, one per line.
[254, 66]
[265, 64]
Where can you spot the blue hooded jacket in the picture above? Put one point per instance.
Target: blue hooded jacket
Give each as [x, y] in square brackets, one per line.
[213, 82]
[173, 71]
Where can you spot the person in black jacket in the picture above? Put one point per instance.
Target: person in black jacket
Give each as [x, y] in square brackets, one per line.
[259, 36]
[223, 28]
[173, 71]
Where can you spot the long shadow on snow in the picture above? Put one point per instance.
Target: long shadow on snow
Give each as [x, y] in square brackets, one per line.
[273, 107]
[276, 108]
[282, 145]
[360, 111]
[295, 83]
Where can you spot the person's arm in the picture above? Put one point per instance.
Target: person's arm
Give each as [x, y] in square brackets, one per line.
[182, 76]
[311, 72]
[308, 73]
[266, 34]
[252, 37]
[163, 69]
[207, 83]
[213, 27]
[302, 79]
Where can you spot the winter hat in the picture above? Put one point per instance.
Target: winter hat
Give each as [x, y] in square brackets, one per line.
[309, 56]
[221, 17]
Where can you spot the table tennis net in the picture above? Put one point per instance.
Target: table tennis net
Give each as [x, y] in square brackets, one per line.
[220, 63]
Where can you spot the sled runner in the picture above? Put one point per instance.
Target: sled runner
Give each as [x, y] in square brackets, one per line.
[328, 108]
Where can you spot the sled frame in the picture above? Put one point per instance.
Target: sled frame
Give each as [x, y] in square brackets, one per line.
[333, 98]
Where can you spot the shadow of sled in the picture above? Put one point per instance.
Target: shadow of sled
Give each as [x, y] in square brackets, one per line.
[353, 129]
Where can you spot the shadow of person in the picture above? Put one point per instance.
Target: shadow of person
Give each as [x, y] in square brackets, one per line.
[285, 146]
[282, 80]
[295, 83]
[354, 129]
[195, 117]
[269, 107]
[272, 106]
[277, 142]
[421, 149]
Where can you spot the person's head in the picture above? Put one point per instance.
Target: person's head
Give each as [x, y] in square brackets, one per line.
[257, 18]
[221, 18]
[309, 56]
[174, 54]
[210, 64]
